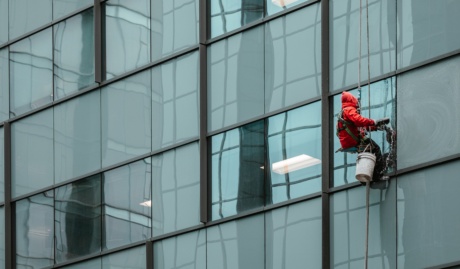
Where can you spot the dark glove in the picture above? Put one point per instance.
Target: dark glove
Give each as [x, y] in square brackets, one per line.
[381, 122]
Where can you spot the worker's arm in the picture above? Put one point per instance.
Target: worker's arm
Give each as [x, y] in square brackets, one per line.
[359, 121]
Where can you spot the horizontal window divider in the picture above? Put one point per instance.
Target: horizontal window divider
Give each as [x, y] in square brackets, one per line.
[177, 145]
[428, 62]
[364, 83]
[2, 204]
[124, 247]
[50, 24]
[344, 187]
[266, 115]
[260, 22]
[429, 164]
[292, 201]
[177, 233]
[446, 265]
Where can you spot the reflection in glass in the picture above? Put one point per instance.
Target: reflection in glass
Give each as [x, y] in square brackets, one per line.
[237, 170]
[428, 234]
[292, 55]
[78, 219]
[174, 26]
[65, 7]
[228, 15]
[294, 153]
[31, 72]
[91, 264]
[3, 21]
[73, 54]
[183, 251]
[293, 235]
[275, 6]
[2, 235]
[126, 219]
[345, 37]
[429, 113]
[4, 84]
[237, 244]
[175, 101]
[2, 165]
[236, 79]
[176, 189]
[128, 35]
[77, 133]
[34, 231]
[133, 258]
[27, 15]
[348, 228]
[32, 153]
[383, 105]
[427, 29]
[126, 124]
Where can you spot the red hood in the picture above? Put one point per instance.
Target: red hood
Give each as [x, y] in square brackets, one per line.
[349, 99]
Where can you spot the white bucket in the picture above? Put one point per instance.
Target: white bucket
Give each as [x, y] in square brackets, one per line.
[365, 166]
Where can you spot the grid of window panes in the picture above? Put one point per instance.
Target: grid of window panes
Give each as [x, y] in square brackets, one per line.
[107, 174]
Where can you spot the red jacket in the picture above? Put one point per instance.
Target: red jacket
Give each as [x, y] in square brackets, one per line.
[350, 114]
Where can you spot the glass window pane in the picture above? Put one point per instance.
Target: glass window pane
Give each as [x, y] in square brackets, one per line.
[3, 21]
[78, 219]
[175, 101]
[34, 231]
[293, 235]
[428, 113]
[237, 174]
[4, 85]
[275, 6]
[294, 153]
[31, 72]
[228, 15]
[344, 16]
[64, 7]
[183, 251]
[428, 219]
[236, 79]
[32, 155]
[293, 58]
[128, 259]
[77, 132]
[2, 236]
[93, 264]
[126, 112]
[383, 105]
[73, 54]
[237, 244]
[2, 165]
[174, 26]
[428, 29]
[127, 204]
[27, 15]
[128, 35]
[348, 228]
[176, 189]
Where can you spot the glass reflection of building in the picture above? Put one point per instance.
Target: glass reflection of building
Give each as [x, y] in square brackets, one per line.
[201, 133]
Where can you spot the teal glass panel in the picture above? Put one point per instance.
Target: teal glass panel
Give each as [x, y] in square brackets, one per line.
[228, 15]
[133, 258]
[293, 235]
[127, 204]
[427, 29]
[77, 219]
[293, 58]
[175, 26]
[3, 21]
[64, 7]
[236, 79]
[237, 170]
[428, 113]
[383, 105]
[345, 38]
[27, 15]
[4, 84]
[32, 156]
[2, 165]
[77, 137]
[175, 101]
[176, 189]
[73, 54]
[237, 244]
[275, 6]
[34, 231]
[31, 72]
[126, 123]
[183, 251]
[2, 237]
[348, 228]
[93, 264]
[428, 202]
[294, 153]
[127, 35]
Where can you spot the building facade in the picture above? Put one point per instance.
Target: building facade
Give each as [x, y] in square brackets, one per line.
[201, 133]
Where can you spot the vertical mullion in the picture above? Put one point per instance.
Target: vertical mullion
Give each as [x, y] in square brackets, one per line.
[9, 214]
[325, 126]
[99, 38]
[149, 254]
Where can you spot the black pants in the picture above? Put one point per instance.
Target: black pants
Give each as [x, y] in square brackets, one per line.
[369, 145]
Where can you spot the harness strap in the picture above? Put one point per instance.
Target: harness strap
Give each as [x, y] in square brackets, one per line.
[345, 127]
